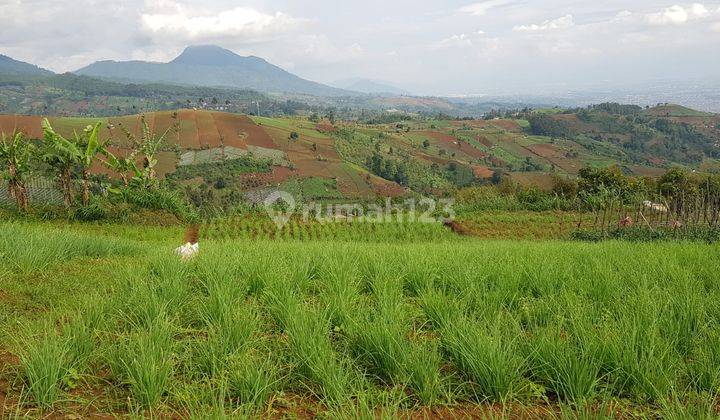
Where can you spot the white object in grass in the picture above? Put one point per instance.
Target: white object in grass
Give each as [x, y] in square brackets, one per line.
[188, 251]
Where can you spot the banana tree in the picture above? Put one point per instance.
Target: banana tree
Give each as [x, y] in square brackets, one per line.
[66, 154]
[15, 153]
[148, 145]
[62, 155]
[90, 147]
[123, 166]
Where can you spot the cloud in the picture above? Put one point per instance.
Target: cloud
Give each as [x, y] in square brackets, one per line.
[238, 22]
[459, 40]
[481, 8]
[563, 22]
[677, 15]
[716, 27]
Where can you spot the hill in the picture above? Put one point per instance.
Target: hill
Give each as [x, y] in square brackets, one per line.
[211, 66]
[72, 95]
[14, 67]
[234, 154]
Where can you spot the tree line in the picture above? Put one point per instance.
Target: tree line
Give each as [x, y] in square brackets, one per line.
[69, 160]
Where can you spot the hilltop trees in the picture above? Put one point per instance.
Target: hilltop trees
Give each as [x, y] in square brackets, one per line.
[15, 152]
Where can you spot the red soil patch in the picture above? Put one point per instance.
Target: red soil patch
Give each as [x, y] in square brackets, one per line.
[256, 135]
[277, 176]
[482, 172]
[30, 125]
[385, 188]
[555, 156]
[325, 128]
[230, 127]
[453, 144]
[209, 136]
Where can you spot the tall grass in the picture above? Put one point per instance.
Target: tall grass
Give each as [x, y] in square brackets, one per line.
[45, 362]
[26, 248]
[144, 361]
[356, 328]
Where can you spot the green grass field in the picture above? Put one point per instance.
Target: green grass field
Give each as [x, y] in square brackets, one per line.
[105, 320]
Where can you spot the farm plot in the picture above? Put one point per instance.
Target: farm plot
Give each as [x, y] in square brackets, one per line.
[95, 325]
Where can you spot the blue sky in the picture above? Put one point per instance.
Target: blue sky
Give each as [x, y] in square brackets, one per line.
[433, 47]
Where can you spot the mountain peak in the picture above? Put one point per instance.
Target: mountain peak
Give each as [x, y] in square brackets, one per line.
[211, 55]
[9, 65]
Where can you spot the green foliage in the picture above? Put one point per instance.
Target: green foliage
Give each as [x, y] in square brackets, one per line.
[645, 234]
[225, 170]
[15, 154]
[45, 363]
[335, 327]
[545, 125]
[160, 199]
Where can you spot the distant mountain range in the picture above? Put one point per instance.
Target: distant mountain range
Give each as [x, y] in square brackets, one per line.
[10, 66]
[212, 66]
[372, 87]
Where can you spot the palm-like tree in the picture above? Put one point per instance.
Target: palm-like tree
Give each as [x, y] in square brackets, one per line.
[66, 154]
[15, 153]
[123, 165]
[148, 145]
[90, 147]
[61, 155]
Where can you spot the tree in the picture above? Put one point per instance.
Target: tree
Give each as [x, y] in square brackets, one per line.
[65, 154]
[148, 145]
[90, 147]
[294, 136]
[62, 156]
[122, 165]
[15, 153]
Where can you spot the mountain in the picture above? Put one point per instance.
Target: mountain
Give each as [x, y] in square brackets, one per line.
[10, 66]
[211, 66]
[372, 87]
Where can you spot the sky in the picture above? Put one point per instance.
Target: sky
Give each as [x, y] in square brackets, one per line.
[428, 47]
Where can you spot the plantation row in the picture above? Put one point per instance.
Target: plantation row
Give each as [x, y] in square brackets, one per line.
[262, 227]
[356, 328]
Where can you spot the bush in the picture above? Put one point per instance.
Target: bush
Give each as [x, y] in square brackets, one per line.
[644, 234]
[159, 200]
[94, 211]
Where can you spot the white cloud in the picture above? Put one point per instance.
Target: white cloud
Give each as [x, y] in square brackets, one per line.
[563, 22]
[677, 15]
[459, 40]
[622, 15]
[238, 22]
[481, 8]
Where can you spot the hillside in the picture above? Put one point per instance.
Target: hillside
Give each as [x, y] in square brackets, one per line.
[72, 95]
[232, 153]
[14, 67]
[211, 66]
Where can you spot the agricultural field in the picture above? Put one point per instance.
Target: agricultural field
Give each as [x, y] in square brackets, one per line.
[102, 320]
[431, 157]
